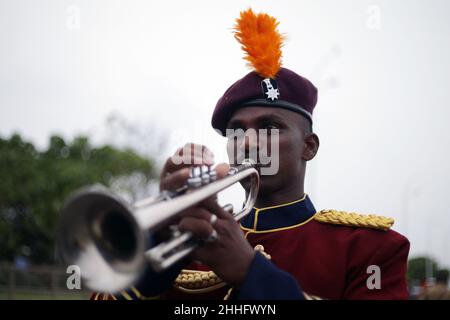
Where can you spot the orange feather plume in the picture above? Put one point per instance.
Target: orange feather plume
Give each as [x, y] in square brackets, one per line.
[261, 41]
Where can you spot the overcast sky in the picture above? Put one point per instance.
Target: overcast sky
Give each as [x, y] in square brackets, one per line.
[382, 70]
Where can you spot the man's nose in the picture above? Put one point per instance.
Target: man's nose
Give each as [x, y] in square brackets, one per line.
[249, 142]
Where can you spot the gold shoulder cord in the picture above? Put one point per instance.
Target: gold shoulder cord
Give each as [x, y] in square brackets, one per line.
[354, 219]
[194, 281]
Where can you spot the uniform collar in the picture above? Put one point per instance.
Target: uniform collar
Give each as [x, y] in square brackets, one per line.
[280, 216]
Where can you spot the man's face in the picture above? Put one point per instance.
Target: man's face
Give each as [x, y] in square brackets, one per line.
[292, 129]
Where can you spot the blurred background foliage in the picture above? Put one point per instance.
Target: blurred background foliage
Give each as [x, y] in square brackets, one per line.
[34, 184]
[417, 268]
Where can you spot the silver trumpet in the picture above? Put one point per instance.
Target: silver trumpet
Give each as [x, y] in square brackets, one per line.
[110, 240]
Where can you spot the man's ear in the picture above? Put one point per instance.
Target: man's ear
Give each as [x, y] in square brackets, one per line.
[311, 146]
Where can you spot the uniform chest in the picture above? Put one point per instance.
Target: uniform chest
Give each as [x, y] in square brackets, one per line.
[318, 262]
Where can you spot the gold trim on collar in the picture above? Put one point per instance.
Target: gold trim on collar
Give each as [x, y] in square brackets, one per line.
[258, 210]
[281, 205]
[277, 229]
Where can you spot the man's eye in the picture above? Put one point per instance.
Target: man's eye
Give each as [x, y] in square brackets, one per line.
[270, 127]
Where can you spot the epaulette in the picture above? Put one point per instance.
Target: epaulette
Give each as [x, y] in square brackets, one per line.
[194, 281]
[354, 219]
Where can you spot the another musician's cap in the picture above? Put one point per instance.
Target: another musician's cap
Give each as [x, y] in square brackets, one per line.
[268, 85]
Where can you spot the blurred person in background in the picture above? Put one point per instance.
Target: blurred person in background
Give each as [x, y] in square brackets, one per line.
[439, 290]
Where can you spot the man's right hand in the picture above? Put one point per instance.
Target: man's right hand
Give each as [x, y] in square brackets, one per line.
[230, 254]
[176, 169]
[176, 172]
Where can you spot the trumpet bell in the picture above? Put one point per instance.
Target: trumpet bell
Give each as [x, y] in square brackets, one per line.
[99, 234]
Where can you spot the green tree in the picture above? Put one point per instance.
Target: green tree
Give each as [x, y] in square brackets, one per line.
[417, 268]
[34, 184]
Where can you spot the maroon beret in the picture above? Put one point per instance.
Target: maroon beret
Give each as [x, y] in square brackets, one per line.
[288, 91]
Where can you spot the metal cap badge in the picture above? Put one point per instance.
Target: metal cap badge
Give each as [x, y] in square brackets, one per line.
[270, 89]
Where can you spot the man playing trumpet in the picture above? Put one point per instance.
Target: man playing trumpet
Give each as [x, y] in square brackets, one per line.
[284, 248]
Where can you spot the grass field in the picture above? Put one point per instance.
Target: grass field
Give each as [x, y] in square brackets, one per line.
[26, 295]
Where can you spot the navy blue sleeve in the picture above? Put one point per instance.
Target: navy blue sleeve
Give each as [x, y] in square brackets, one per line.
[264, 281]
[154, 283]
[150, 285]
